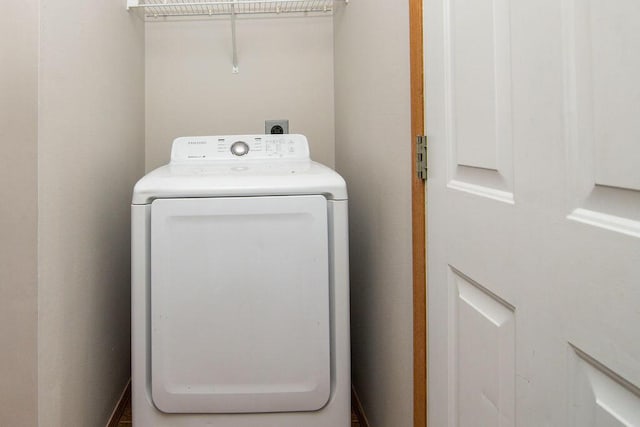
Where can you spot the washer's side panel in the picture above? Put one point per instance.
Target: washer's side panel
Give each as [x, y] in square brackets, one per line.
[340, 403]
[140, 249]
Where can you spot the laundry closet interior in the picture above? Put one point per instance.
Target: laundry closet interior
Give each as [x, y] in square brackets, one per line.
[95, 94]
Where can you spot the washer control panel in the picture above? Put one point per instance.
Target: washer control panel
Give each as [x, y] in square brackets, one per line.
[237, 147]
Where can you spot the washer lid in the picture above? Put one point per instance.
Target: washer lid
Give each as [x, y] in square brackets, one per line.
[239, 165]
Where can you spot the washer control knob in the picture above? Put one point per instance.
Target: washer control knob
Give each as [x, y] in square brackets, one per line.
[239, 148]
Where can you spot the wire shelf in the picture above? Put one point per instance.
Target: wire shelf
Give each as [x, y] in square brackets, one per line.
[174, 8]
[184, 8]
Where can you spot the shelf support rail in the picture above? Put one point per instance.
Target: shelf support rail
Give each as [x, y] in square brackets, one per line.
[234, 59]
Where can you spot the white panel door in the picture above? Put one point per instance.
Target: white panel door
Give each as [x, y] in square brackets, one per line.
[240, 304]
[533, 125]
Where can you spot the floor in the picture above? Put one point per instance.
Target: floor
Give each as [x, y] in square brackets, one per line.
[125, 419]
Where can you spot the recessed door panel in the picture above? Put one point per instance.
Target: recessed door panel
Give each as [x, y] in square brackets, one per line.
[240, 304]
[601, 65]
[484, 356]
[477, 107]
[600, 397]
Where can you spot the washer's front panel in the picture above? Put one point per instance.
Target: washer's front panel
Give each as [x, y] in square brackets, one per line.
[240, 304]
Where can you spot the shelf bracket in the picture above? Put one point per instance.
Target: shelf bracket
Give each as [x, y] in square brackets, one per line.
[234, 70]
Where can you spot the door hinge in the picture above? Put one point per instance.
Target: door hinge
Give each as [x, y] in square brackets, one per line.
[421, 157]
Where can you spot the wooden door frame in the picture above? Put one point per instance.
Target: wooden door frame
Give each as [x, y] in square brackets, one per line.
[418, 215]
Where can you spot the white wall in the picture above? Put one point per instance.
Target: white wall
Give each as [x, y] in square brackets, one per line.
[90, 153]
[373, 138]
[286, 72]
[18, 215]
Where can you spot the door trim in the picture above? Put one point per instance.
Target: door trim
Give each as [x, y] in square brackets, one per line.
[418, 215]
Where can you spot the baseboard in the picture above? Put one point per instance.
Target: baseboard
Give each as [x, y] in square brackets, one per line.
[357, 407]
[120, 406]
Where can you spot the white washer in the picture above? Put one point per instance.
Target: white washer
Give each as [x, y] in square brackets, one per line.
[240, 291]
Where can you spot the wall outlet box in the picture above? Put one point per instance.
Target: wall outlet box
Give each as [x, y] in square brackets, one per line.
[274, 127]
